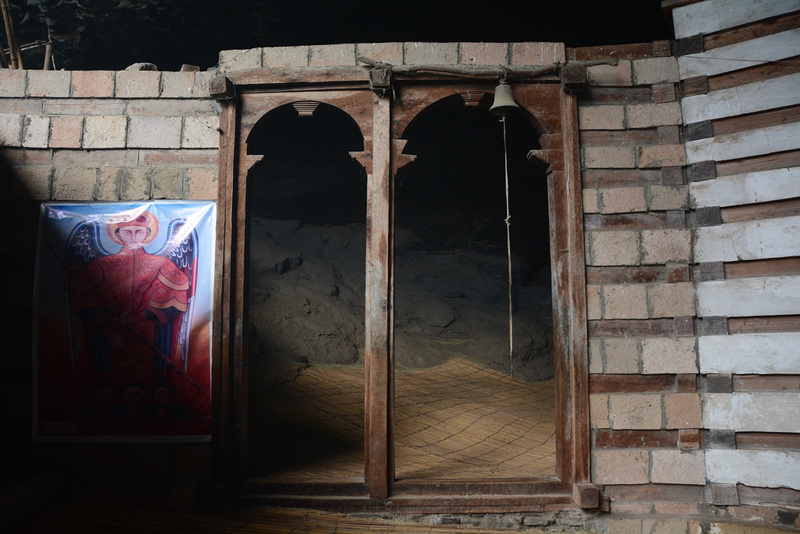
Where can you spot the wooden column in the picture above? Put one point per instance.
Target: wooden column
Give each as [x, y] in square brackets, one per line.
[378, 276]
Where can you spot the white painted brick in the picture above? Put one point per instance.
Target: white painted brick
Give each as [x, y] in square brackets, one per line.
[762, 469]
[748, 297]
[774, 353]
[752, 412]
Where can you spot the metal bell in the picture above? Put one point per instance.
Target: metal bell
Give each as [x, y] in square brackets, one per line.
[504, 104]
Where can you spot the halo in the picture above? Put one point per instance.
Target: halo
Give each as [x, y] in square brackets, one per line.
[152, 224]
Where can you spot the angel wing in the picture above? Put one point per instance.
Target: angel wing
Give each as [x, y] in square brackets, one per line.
[83, 246]
[181, 248]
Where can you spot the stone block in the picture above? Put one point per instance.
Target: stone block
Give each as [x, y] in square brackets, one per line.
[167, 183]
[619, 74]
[201, 131]
[135, 184]
[74, 183]
[655, 70]
[169, 107]
[649, 115]
[10, 129]
[154, 132]
[95, 158]
[343, 55]
[384, 52]
[609, 157]
[138, 84]
[614, 248]
[635, 411]
[683, 410]
[21, 106]
[484, 54]
[104, 131]
[36, 181]
[621, 355]
[668, 355]
[622, 200]
[49, 83]
[66, 131]
[108, 184]
[230, 60]
[288, 56]
[625, 301]
[201, 184]
[12, 83]
[595, 356]
[667, 197]
[182, 84]
[678, 467]
[533, 53]
[662, 246]
[590, 201]
[601, 117]
[431, 53]
[624, 526]
[35, 132]
[656, 156]
[594, 310]
[598, 410]
[670, 525]
[85, 106]
[672, 300]
[92, 84]
[628, 466]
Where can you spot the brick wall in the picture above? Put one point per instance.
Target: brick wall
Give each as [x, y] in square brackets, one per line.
[92, 136]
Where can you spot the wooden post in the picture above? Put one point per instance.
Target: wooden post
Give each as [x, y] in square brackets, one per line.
[379, 265]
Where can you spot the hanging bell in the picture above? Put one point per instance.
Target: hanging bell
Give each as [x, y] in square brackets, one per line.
[504, 104]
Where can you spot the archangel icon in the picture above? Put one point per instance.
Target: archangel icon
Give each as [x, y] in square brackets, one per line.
[129, 307]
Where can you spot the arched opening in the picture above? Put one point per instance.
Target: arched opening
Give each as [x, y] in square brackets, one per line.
[306, 241]
[465, 406]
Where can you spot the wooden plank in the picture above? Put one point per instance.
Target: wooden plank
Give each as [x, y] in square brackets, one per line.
[632, 328]
[767, 440]
[770, 469]
[763, 119]
[643, 137]
[736, 56]
[750, 269]
[777, 353]
[754, 383]
[376, 328]
[631, 383]
[759, 496]
[758, 325]
[596, 178]
[757, 73]
[747, 188]
[625, 221]
[738, 145]
[749, 240]
[752, 412]
[715, 15]
[625, 275]
[623, 51]
[752, 97]
[631, 439]
[761, 211]
[752, 31]
[789, 158]
[616, 95]
[221, 355]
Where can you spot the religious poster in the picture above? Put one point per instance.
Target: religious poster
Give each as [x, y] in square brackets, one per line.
[122, 331]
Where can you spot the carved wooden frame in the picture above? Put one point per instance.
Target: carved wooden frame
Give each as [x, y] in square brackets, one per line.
[382, 120]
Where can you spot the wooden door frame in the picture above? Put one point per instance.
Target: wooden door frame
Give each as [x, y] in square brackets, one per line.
[555, 109]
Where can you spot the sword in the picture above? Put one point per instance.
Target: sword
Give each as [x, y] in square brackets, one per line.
[164, 357]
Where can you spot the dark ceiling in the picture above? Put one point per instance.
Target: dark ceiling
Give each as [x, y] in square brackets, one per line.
[112, 34]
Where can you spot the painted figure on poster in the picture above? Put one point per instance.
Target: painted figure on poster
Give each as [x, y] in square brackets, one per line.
[132, 310]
